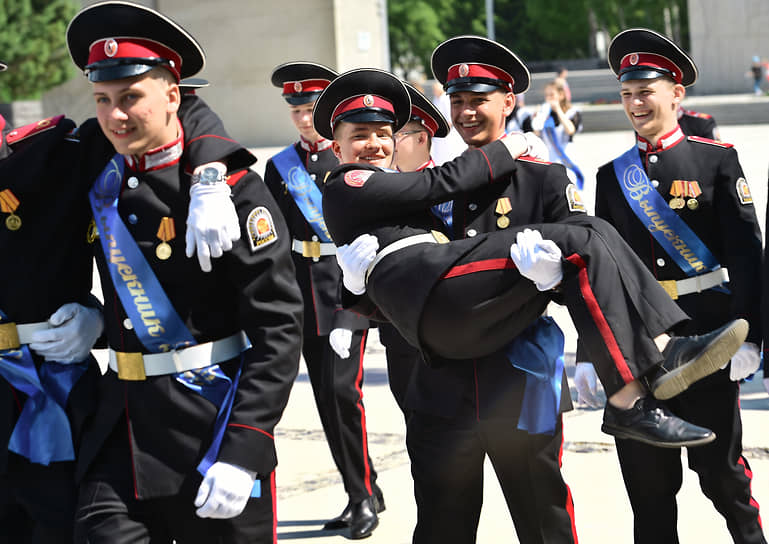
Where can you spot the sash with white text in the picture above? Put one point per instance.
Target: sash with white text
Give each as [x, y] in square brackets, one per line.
[679, 241]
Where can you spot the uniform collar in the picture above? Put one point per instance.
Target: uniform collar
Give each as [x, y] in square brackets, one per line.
[665, 142]
[160, 157]
[320, 145]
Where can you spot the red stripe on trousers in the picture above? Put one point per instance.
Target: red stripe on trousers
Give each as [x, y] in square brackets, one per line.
[749, 474]
[364, 435]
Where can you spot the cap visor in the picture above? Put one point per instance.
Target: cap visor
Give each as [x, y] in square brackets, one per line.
[473, 87]
[118, 72]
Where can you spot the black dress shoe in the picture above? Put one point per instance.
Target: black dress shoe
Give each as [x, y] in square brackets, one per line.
[691, 358]
[363, 519]
[651, 422]
[342, 521]
[379, 502]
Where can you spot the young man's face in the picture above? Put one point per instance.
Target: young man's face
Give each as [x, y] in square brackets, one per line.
[366, 143]
[652, 105]
[137, 114]
[411, 149]
[480, 117]
[301, 116]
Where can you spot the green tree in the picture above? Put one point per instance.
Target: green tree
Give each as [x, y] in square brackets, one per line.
[33, 44]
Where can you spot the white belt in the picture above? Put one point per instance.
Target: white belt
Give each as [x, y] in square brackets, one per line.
[433, 237]
[697, 284]
[13, 336]
[313, 249]
[137, 366]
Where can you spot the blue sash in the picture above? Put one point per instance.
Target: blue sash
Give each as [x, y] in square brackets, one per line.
[563, 158]
[445, 212]
[303, 189]
[156, 323]
[538, 351]
[42, 433]
[679, 241]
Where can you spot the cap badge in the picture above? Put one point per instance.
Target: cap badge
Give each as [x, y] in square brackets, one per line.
[297, 86]
[368, 100]
[634, 59]
[110, 48]
[464, 69]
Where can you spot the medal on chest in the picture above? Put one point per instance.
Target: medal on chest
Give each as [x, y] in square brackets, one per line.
[8, 204]
[166, 233]
[502, 209]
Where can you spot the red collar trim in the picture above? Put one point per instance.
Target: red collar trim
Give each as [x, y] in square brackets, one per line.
[320, 145]
[160, 157]
[665, 142]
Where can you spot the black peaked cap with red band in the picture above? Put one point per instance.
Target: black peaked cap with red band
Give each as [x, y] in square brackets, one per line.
[473, 63]
[640, 53]
[302, 82]
[116, 40]
[424, 112]
[363, 95]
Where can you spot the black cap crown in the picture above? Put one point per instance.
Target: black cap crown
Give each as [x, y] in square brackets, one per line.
[116, 40]
[363, 95]
[472, 63]
[640, 53]
[302, 82]
[424, 112]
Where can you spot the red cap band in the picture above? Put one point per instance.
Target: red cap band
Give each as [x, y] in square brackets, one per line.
[485, 71]
[118, 48]
[427, 120]
[652, 61]
[305, 86]
[363, 101]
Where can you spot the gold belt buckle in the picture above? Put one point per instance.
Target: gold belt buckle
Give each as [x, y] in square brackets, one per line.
[9, 336]
[670, 287]
[311, 249]
[130, 366]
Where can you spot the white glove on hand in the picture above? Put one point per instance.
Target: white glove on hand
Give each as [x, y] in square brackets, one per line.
[212, 222]
[224, 491]
[588, 387]
[74, 330]
[537, 259]
[354, 259]
[537, 147]
[340, 340]
[516, 143]
[745, 362]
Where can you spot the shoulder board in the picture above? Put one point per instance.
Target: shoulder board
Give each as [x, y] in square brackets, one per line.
[529, 158]
[232, 179]
[702, 140]
[692, 113]
[21, 133]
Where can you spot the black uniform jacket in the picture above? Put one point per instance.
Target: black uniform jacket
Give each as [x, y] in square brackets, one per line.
[694, 123]
[47, 262]
[724, 219]
[319, 280]
[539, 193]
[251, 288]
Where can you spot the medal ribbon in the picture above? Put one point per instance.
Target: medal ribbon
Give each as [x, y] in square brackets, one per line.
[8, 201]
[42, 433]
[538, 351]
[549, 131]
[678, 240]
[166, 230]
[303, 189]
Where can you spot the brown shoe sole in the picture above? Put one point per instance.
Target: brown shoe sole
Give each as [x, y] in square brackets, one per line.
[723, 347]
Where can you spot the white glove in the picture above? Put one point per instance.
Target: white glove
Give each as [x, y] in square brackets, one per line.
[745, 362]
[516, 143]
[340, 340]
[537, 259]
[537, 147]
[588, 387]
[212, 222]
[354, 259]
[224, 491]
[74, 330]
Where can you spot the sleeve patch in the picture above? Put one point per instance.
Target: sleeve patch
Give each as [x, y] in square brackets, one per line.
[574, 198]
[261, 228]
[356, 178]
[743, 191]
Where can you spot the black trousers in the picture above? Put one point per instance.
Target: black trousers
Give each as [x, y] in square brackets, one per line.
[402, 357]
[447, 457]
[337, 385]
[653, 475]
[617, 306]
[37, 502]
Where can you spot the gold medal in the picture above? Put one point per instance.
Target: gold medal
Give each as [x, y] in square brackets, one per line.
[503, 222]
[163, 251]
[166, 233]
[692, 204]
[13, 222]
[676, 203]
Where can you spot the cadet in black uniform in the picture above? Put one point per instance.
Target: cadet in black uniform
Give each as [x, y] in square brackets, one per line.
[466, 410]
[694, 123]
[700, 191]
[201, 364]
[334, 339]
[473, 281]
